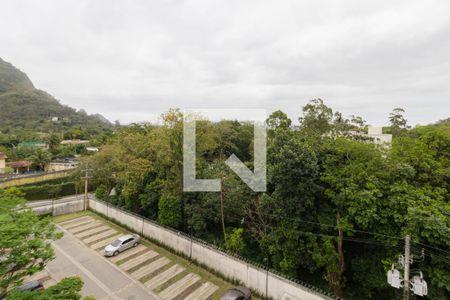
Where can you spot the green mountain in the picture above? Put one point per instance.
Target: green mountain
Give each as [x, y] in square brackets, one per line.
[23, 107]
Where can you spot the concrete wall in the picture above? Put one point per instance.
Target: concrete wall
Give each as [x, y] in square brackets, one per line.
[33, 178]
[57, 207]
[250, 275]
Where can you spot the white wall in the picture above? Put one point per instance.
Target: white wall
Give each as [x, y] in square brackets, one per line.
[229, 266]
[58, 207]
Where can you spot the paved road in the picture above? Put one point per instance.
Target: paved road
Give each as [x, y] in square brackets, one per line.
[47, 202]
[102, 279]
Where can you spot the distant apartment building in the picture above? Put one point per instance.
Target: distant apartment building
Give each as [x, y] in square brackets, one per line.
[376, 133]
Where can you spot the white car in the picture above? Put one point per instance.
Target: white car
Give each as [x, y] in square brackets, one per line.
[121, 244]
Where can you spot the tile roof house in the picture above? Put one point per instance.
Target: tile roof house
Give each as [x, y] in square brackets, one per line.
[20, 166]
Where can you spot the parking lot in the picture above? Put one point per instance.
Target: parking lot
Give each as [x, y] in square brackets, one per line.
[152, 274]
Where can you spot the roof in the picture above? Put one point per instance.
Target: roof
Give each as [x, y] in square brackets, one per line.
[125, 237]
[3, 155]
[19, 164]
[74, 142]
[33, 143]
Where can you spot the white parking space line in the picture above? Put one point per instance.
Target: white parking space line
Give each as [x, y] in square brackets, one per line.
[164, 277]
[88, 232]
[138, 260]
[75, 220]
[128, 253]
[103, 279]
[102, 244]
[86, 272]
[100, 236]
[203, 292]
[180, 286]
[88, 226]
[79, 223]
[147, 269]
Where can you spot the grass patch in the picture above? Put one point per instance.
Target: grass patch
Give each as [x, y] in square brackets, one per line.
[62, 218]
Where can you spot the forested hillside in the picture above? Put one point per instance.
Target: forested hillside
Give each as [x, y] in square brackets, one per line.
[25, 108]
[337, 207]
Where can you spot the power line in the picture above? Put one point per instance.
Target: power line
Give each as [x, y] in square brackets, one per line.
[354, 230]
[349, 239]
[434, 248]
[322, 224]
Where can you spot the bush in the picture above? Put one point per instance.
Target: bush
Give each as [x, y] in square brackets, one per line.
[100, 192]
[235, 242]
[48, 191]
[169, 209]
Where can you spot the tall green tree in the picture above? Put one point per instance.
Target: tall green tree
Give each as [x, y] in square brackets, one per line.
[397, 121]
[68, 289]
[25, 244]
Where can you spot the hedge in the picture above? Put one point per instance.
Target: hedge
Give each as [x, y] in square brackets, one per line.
[48, 191]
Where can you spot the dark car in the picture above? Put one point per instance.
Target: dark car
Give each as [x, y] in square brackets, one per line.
[34, 285]
[237, 293]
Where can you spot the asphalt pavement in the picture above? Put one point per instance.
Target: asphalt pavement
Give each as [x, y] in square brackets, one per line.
[102, 279]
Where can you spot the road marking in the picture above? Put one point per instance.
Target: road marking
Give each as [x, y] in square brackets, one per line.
[86, 272]
[204, 292]
[164, 277]
[137, 282]
[128, 253]
[180, 286]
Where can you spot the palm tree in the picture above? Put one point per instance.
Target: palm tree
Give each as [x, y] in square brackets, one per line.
[40, 158]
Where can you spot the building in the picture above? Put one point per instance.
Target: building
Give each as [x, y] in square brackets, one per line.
[92, 149]
[34, 144]
[376, 133]
[3, 158]
[20, 167]
[74, 142]
[61, 165]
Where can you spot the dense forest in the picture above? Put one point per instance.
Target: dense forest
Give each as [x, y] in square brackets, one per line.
[337, 206]
[28, 113]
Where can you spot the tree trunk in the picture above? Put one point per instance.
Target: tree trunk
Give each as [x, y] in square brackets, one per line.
[335, 278]
[222, 215]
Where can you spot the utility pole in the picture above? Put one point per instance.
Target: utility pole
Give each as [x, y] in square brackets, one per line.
[415, 284]
[406, 290]
[86, 178]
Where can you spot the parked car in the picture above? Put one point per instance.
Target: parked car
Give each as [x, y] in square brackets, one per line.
[121, 244]
[237, 293]
[34, 285]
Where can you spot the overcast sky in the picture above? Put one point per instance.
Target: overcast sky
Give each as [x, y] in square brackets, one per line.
[132, 60]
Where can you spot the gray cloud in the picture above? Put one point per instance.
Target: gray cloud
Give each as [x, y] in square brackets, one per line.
[133, 60]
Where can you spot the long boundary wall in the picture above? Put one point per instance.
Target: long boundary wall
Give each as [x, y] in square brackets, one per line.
[63, 206]
[254, 277]
[34, 178]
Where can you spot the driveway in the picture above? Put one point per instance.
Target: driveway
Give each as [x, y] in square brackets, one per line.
[102, 279]
[141, 264]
